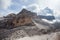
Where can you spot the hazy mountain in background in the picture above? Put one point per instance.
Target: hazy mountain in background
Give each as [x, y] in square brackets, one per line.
[50, 18]
[46, 13]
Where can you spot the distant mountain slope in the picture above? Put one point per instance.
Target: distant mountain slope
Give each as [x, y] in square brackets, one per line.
[47, 13]
[46, 17]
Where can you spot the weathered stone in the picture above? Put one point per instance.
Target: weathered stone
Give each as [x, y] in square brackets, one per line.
[23, 18]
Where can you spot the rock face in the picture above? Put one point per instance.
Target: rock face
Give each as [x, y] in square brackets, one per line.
[23, 18]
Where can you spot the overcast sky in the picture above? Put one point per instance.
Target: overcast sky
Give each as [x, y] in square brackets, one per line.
[15, 6]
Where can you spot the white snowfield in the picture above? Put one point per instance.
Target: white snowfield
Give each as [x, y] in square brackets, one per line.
[53, 36]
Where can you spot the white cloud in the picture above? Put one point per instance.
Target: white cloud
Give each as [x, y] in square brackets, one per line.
[32, 7]
[57, 15]
[37, 9]
[41, 4]
[0, 15]
[4, 4]
[49, 15]
[24, 7]
[53, 4]
[23, 0]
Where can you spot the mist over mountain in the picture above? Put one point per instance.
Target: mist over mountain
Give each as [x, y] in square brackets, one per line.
[47, 12]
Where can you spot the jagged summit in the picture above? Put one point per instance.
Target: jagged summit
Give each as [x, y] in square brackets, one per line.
[23, 18]
[27, 13]
[23, 10]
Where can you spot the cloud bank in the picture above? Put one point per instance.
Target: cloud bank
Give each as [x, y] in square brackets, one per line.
[4, 4]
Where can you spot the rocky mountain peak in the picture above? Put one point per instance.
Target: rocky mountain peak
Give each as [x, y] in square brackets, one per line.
[27, 13]
[23, 18]
[23, 11]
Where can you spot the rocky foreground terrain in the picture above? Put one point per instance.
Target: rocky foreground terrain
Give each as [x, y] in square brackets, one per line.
[27, 26]
[53, 36]
[28, 33]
